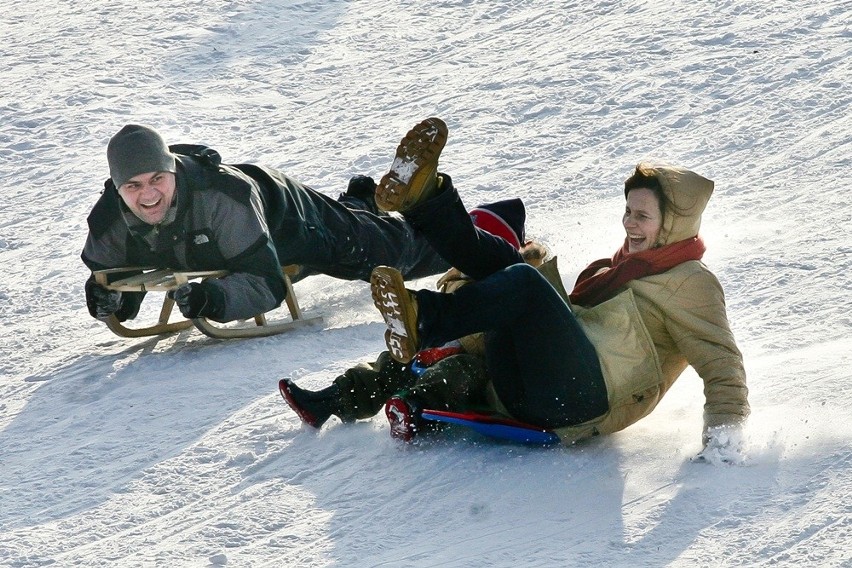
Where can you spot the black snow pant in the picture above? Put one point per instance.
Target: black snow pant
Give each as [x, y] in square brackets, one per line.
[542, 366]
[337, 238]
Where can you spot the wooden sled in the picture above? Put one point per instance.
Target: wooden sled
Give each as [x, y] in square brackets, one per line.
[163, 280]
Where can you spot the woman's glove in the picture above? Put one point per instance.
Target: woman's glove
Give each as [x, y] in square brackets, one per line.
[723, 444]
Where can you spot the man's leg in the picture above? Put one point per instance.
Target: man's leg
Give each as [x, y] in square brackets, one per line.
[437, 231]
[358, 241]
[363, 241]
[361, 195]
[431, 237]
[347, 242]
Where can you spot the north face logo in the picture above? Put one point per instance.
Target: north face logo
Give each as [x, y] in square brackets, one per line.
[201, 239]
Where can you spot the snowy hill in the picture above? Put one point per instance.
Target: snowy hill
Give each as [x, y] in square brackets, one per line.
[178, 451]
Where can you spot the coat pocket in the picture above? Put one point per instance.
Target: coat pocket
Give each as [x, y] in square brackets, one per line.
[626, 352]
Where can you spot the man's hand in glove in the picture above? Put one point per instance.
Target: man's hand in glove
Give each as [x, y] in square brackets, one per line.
[101, 302]
[192, 299]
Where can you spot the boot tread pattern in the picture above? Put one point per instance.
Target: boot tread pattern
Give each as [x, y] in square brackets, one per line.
[394, 303]
[416, 161]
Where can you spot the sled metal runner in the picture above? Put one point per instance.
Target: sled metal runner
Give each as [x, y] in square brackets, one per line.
[164, 280]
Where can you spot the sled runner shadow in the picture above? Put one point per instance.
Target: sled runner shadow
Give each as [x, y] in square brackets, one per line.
[164, 280]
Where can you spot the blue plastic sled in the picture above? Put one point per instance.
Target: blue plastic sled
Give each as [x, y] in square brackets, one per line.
[495, 426]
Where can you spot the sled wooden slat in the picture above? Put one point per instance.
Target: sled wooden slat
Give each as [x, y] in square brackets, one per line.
[163, 280]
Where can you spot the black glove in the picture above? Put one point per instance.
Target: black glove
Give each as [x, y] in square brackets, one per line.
[361, 194]
[362, 187]
[101, 302]
[193, 300]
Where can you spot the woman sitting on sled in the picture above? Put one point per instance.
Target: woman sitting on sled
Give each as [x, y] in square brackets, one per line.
[589, 366]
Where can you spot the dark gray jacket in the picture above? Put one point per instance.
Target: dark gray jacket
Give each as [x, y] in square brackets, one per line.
[250, 220]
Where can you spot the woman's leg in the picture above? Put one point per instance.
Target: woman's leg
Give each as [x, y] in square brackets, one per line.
[429, 202]
[543, 367]
[447, 226]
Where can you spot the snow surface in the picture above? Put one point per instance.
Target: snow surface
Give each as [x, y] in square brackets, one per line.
[178, 451]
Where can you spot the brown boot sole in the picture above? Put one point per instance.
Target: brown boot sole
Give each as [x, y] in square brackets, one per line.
[398, 310]
[414, 167]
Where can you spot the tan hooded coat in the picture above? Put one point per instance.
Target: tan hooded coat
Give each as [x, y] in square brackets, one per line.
[647, 334]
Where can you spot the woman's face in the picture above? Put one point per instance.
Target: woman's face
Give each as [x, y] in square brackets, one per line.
[642, 219]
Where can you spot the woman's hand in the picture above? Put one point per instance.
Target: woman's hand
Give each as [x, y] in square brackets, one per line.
[724, 444]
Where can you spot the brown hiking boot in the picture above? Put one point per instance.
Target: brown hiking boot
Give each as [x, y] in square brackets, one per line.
[413, 176]
[398, 307]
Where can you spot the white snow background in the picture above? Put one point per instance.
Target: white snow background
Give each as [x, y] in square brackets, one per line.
[178, 450]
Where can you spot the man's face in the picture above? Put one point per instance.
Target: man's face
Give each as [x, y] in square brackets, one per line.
[149, 195]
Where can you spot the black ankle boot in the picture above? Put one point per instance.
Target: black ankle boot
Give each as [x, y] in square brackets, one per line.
[313, 407]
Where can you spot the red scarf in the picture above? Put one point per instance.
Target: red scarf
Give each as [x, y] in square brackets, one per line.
[592, 288]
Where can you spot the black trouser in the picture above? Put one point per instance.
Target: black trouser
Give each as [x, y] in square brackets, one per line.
[543, 367]
[325, 236]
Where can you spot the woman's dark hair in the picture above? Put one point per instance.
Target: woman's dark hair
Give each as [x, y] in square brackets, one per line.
[645, 179]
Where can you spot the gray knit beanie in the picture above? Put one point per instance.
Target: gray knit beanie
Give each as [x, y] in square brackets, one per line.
[137, 150]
